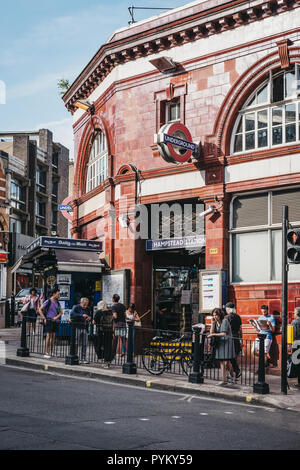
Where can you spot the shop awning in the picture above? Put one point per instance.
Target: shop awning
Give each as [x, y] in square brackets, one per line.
[78, 261]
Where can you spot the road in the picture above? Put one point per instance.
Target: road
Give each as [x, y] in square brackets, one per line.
[41, 411]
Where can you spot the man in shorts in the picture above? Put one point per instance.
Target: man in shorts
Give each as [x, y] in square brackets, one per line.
[267, 327]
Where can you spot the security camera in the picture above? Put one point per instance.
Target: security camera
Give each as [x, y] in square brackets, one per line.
[208, 211]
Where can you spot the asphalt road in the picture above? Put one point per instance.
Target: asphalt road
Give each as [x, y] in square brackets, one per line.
[40, 411]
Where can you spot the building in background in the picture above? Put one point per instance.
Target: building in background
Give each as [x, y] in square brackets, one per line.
[35, 178]
[229, 72]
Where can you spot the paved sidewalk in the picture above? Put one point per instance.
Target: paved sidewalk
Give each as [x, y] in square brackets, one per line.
[10, 341]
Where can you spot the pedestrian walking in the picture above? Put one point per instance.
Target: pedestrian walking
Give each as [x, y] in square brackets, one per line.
[51, 312]
[81, 315]
[31, 310]
[132, 316]
[103, 320]
[224, 348]
[296, 342]
[236, 328]
[119, 326]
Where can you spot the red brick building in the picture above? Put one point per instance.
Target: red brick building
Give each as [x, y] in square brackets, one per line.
[234, 82]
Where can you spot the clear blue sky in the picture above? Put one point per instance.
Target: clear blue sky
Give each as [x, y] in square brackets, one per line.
[43, 41]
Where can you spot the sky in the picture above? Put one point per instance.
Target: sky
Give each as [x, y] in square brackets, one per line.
[44, 41]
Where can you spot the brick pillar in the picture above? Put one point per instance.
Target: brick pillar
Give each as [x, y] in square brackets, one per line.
[217, 237]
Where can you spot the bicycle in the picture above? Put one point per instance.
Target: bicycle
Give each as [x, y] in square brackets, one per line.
[155, 360]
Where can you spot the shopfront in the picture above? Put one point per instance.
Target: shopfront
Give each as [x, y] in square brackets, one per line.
[71, 265]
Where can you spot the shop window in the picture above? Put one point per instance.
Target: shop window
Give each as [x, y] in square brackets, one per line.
[97, 169]
[271, 116]
[255, 232]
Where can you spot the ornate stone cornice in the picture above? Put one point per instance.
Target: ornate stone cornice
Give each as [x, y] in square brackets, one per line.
[191, 28]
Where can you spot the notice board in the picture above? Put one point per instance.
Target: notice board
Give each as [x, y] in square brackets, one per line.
[213, 290]
[116, 282]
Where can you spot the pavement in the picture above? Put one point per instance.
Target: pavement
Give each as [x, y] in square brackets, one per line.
[10, 341]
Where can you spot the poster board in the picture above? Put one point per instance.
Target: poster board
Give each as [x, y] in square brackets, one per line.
[116, 282]
[212, 290]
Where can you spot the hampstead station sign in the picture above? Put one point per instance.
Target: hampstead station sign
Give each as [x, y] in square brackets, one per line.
[175, 143]
[197, 241]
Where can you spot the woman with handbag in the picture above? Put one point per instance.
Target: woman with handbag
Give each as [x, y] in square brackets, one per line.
[103, 320]
[30, 310]
[221, 335]
[133, 316]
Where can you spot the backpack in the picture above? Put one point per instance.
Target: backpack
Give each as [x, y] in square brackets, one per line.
[106, 320]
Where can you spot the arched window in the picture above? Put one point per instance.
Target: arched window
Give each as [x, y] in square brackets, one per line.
[271, 115]
[97, 168]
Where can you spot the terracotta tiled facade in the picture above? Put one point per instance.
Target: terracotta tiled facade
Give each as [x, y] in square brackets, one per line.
[224, 51]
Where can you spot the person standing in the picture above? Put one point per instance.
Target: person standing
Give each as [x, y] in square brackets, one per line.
[51, 312]
[118, 310]
[103, 320]
[81, 316]
[296, 343]
[132, 316]
[32, 310]
[224, 349]
[267, 327]
[236, 328]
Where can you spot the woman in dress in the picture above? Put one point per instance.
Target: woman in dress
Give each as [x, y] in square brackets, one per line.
[224, 349]
[33, 301]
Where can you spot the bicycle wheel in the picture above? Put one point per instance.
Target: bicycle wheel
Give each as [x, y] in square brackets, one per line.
[186, 362]
[153, 361]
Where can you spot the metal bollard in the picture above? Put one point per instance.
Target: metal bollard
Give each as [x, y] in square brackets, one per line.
[72, 359]
[196, 377]
[23, 351]
[12, 310]
[129, 367]
[261, 386]
[7, 315]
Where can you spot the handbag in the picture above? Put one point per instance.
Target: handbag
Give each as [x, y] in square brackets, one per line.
[25, 307]
[137, 323]
[292, 369]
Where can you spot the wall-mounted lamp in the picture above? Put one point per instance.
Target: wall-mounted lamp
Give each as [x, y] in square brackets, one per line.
[164, 64]
[85, 105]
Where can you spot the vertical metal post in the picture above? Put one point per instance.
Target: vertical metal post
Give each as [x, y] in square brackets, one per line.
[196, 377]
[129, 367]
[72, 359]
[261, 386]
[285, 215]
[23, 351]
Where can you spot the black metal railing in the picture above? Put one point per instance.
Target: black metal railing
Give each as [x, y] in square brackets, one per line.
[155, 351]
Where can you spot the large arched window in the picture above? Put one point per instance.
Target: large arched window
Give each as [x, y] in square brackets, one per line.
[97, 168]
[271, 115]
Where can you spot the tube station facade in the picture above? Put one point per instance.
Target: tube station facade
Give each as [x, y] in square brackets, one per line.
[190, 136]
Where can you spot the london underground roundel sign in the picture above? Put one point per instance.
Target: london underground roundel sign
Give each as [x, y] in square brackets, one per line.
[175, 143]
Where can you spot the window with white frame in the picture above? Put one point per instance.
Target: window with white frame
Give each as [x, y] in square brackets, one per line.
[255, 234]
[97, 169]
[271, 115]
[173, 111]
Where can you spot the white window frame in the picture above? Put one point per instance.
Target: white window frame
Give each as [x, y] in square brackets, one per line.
[97, 168]
[169, 105]
[268, 105]
[269, 227]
